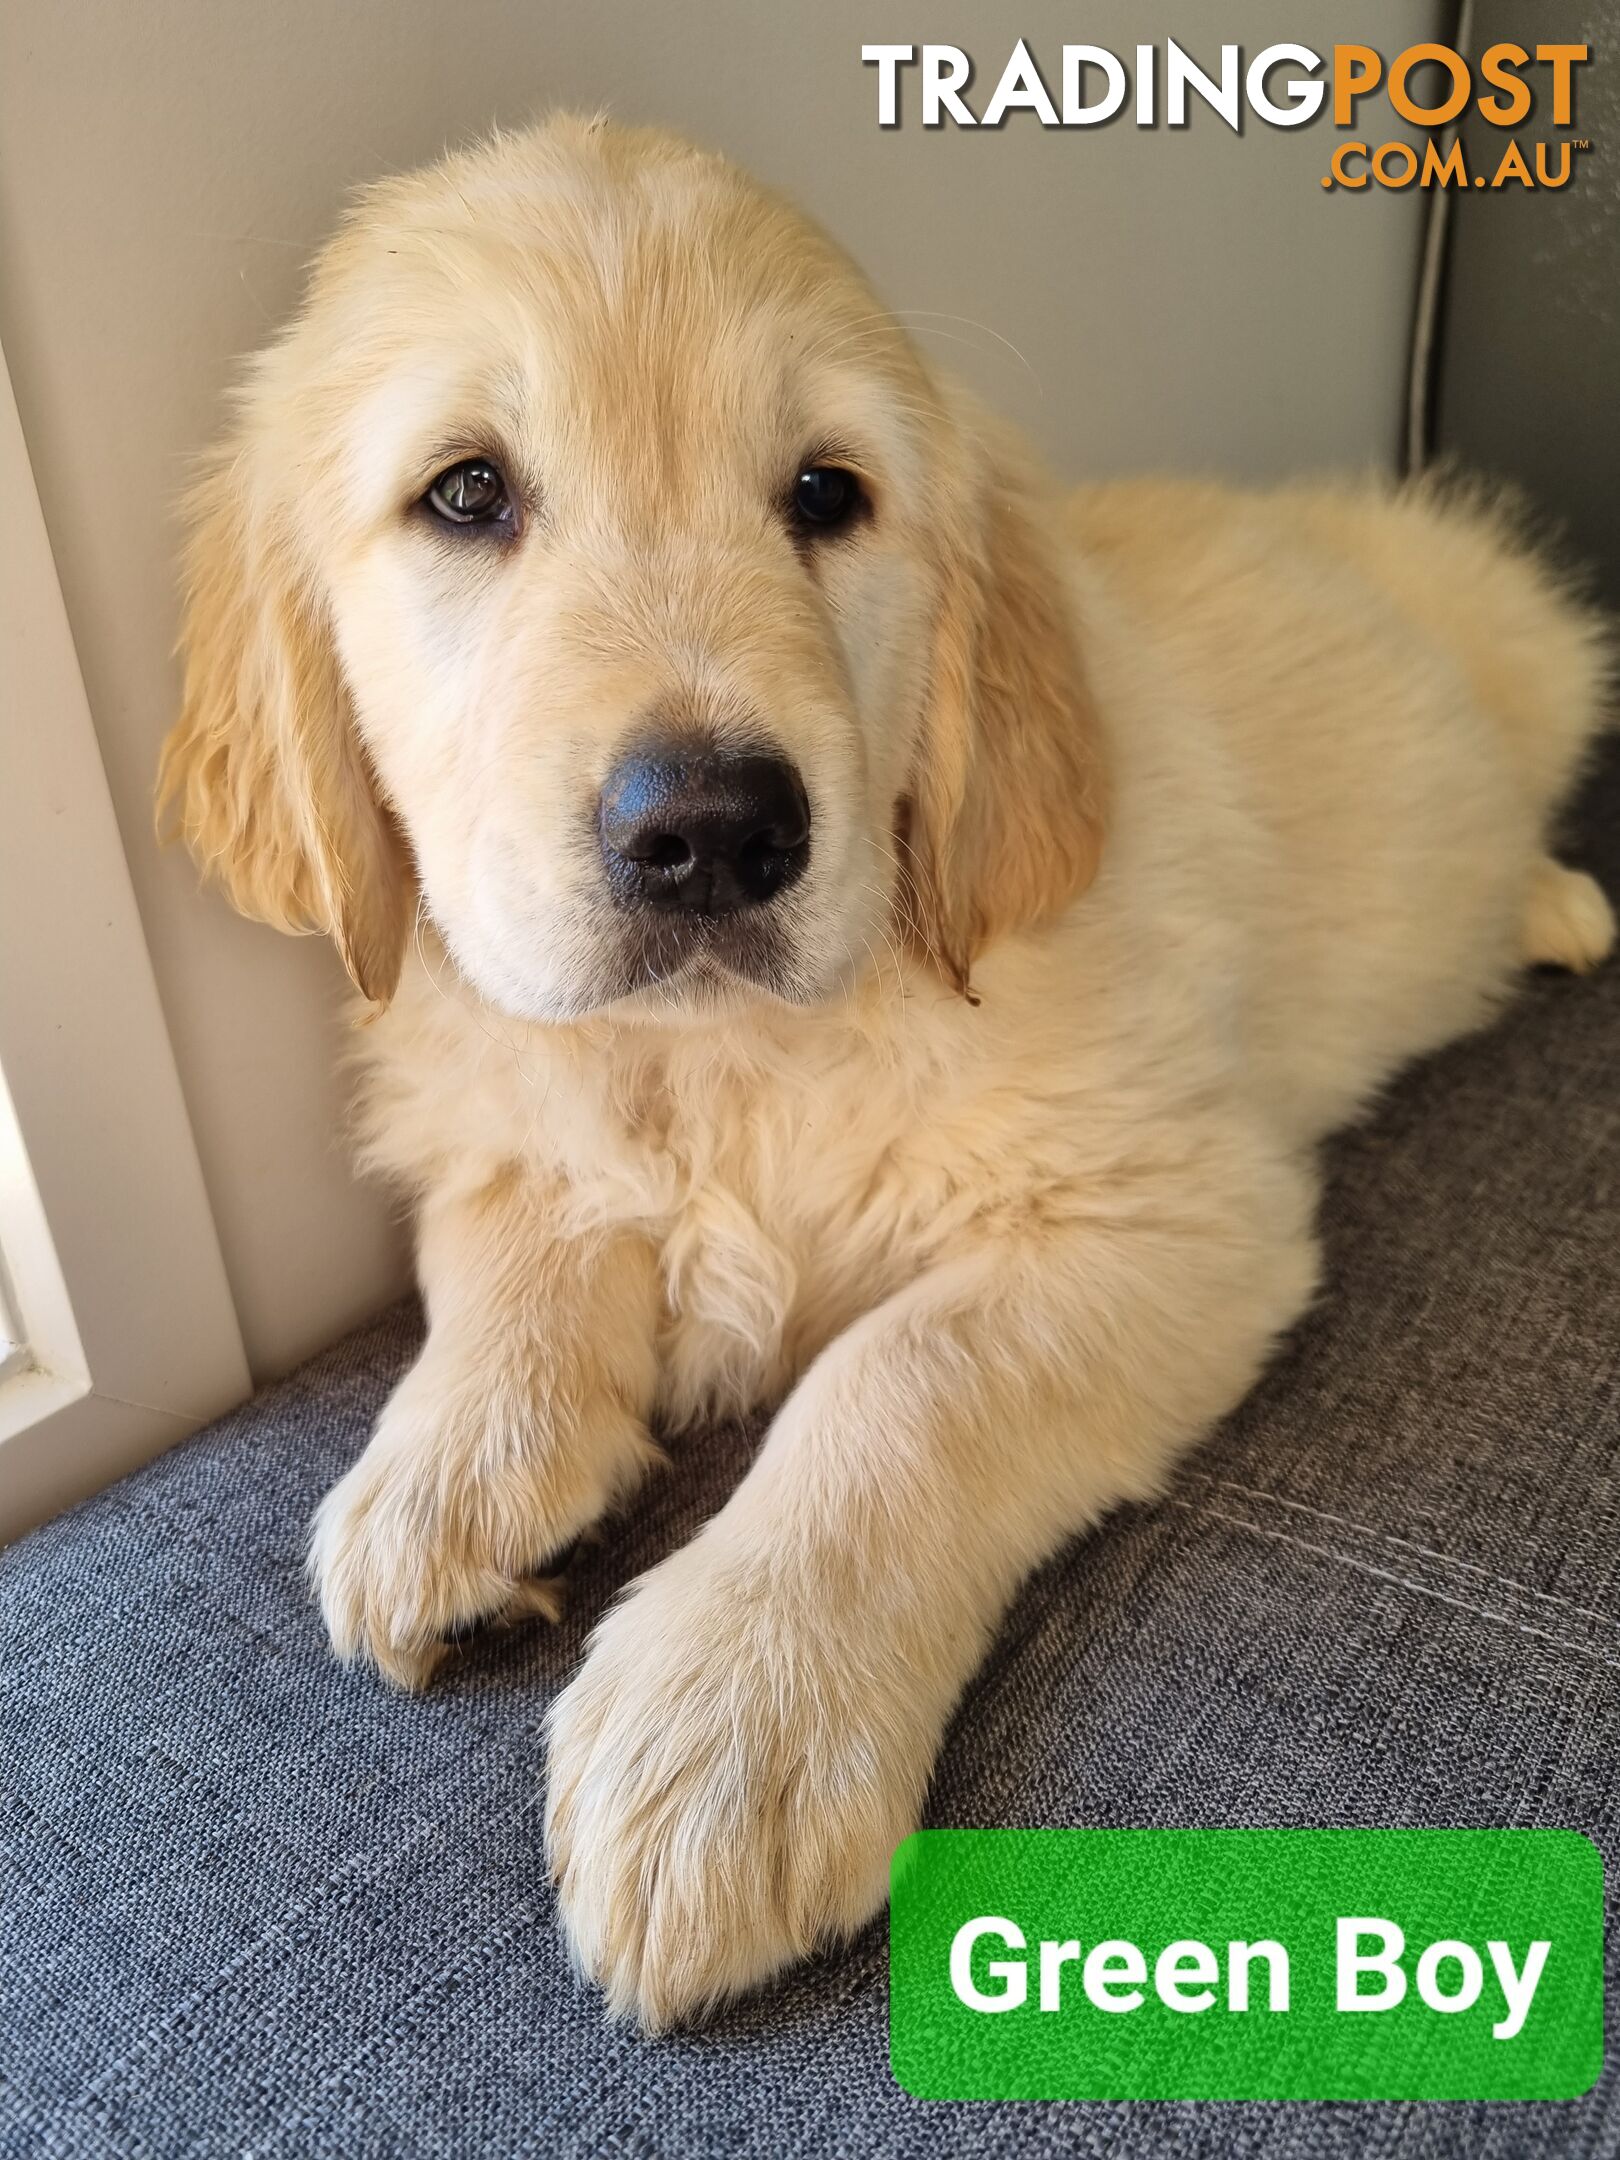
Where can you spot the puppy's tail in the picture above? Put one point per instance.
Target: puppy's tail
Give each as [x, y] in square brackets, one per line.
[1543, 662]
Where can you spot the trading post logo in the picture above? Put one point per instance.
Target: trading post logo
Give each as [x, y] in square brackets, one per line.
[1431, 87]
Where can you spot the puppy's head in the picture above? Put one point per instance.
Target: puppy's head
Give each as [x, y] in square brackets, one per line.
[595, 564]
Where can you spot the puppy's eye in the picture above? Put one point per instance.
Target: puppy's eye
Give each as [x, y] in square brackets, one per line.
[471, 493]
[825, 498]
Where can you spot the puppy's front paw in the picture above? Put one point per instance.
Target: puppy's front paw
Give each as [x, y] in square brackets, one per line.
[728, 1780]
[445, 1518]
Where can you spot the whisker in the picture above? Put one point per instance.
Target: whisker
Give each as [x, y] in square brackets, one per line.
[473, 1009]
[942, 315]
[906, 899]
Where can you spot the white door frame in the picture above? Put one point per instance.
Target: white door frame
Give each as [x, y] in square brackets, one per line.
[118, 1335]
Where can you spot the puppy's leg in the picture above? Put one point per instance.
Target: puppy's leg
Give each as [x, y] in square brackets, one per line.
[520, 1423]
[1568, 923]
[753, 1729]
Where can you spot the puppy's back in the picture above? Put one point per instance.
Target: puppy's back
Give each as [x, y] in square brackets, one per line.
[1455, 562]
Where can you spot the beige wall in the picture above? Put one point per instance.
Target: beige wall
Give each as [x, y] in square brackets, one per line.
[167, 165]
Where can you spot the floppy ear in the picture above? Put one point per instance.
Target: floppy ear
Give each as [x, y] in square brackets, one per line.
[264, 774]
[1003, 823]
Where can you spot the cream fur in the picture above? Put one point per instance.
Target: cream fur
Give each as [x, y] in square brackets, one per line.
[1154, 829]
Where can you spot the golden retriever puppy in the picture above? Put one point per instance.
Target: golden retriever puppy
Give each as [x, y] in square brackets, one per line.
[844, 928]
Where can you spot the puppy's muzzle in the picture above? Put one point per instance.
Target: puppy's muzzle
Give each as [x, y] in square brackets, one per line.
[710, 832]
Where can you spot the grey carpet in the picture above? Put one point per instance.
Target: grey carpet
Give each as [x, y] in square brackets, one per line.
[254, 1903]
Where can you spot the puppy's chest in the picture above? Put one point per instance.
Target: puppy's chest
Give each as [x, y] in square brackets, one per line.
[782, 1212]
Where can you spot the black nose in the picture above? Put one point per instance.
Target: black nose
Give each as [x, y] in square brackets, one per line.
[709, 832]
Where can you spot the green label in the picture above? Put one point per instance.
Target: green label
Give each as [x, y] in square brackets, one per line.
[1246, 1965]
